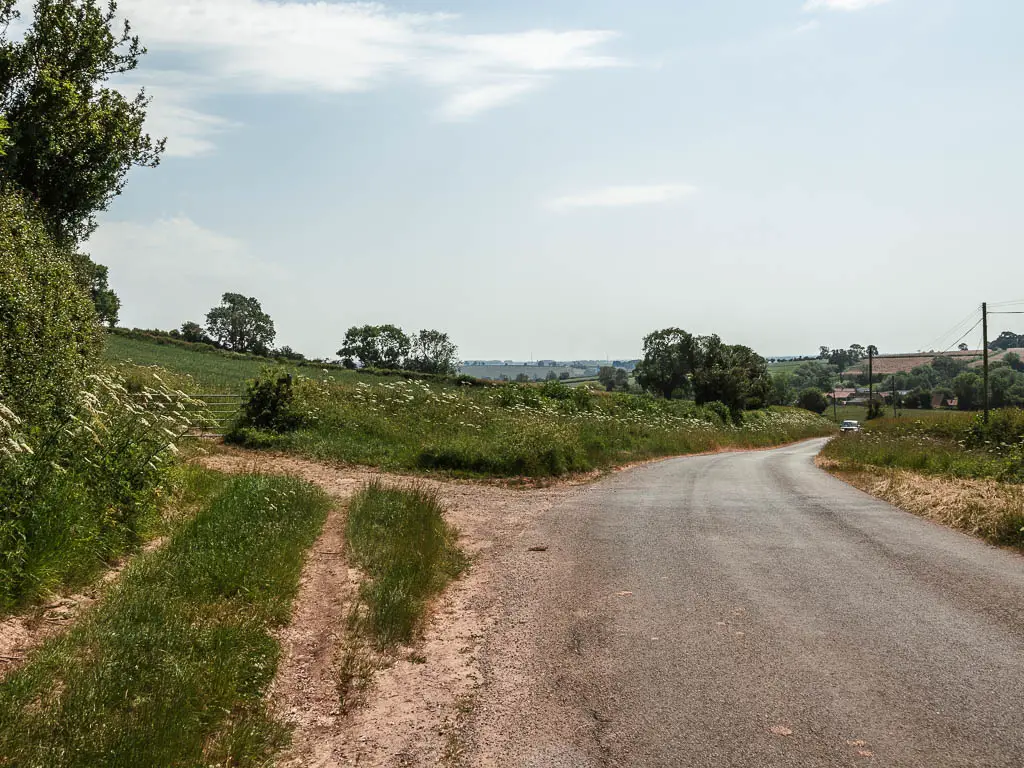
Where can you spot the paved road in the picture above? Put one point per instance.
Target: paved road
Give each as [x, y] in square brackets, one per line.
[747, 609]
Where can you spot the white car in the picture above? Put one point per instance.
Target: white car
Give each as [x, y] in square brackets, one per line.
[850, 426]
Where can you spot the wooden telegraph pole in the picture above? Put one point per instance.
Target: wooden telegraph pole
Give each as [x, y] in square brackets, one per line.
[871, 378]
[984, 343]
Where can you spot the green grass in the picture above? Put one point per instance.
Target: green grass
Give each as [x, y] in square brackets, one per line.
[506, 431]
[515, 430]
[860, 413]
[171, 668]
[954, 445]
[787, 366]
[210, 372]
[400, 539]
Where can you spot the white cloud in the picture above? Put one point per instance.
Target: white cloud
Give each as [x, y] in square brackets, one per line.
[841, 5]
[289, 46]
[807, 27]
[180, 267]
[623, 196]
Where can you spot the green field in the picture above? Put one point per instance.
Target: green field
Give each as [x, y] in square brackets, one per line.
[512, 430]
[213, 371]
[786, 366]
[860, 413]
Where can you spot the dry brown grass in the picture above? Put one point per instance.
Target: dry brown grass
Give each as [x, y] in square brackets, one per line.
[989, 509]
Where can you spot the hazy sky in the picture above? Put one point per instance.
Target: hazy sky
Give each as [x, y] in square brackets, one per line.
[554, 179]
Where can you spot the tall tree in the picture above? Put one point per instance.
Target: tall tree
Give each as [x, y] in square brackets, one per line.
[669, 358]
[374, 346]
[93, 278]
[241, 325]
[72, 140]
[432, 352]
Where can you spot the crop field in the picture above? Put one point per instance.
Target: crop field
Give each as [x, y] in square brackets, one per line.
[786, 366]
[211, 372]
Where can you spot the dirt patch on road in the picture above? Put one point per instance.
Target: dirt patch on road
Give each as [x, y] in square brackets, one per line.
[415, 706]
[985, 508]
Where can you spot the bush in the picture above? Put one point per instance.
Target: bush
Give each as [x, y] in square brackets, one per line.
[51, 337]
[812, 400]
[270, 404]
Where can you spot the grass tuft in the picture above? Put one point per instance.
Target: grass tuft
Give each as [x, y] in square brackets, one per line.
[400, 538]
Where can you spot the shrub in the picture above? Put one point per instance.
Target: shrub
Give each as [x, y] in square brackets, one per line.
[720, 412]
[51, 338]
[812, 400]
[270, 404]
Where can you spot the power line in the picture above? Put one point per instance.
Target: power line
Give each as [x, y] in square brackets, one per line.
[973, 327]
[954, 330]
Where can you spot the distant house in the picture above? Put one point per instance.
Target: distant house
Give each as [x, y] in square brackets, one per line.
[941, 401]
[841, 396]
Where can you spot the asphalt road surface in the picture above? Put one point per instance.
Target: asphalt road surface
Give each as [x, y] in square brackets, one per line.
[747, 609]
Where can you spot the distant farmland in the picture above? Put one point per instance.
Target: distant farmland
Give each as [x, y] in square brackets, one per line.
[510, 372]
[887, 364]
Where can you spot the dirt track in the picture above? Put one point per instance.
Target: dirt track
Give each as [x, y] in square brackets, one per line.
[415, 708]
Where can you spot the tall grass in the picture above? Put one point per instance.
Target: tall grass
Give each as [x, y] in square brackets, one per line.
[171, 668]
[399, 537]
[82, 488]
[515, 430]
[961, 445]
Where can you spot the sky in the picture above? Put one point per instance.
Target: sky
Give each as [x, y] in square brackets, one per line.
[556, 179]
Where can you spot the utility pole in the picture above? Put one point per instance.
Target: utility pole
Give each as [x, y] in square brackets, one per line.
[895, 413]
[871, 378]
[835, 408]
[984, 343]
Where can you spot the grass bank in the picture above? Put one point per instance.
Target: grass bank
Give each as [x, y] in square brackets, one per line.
[958, 445]
[399, 537]
[514, 430]
[171, 667]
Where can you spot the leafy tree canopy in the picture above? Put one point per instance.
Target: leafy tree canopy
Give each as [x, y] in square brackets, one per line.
[241, 325]
[375, 346]
[812, 400]
[93, 277]
[1007, 340]
[433, 352]
[71, 140]
[669, 359]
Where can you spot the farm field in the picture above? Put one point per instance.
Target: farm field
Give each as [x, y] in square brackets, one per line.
[212, 372]
[786, 366]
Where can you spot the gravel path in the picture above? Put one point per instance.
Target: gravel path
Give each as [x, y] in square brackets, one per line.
[747, 609]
